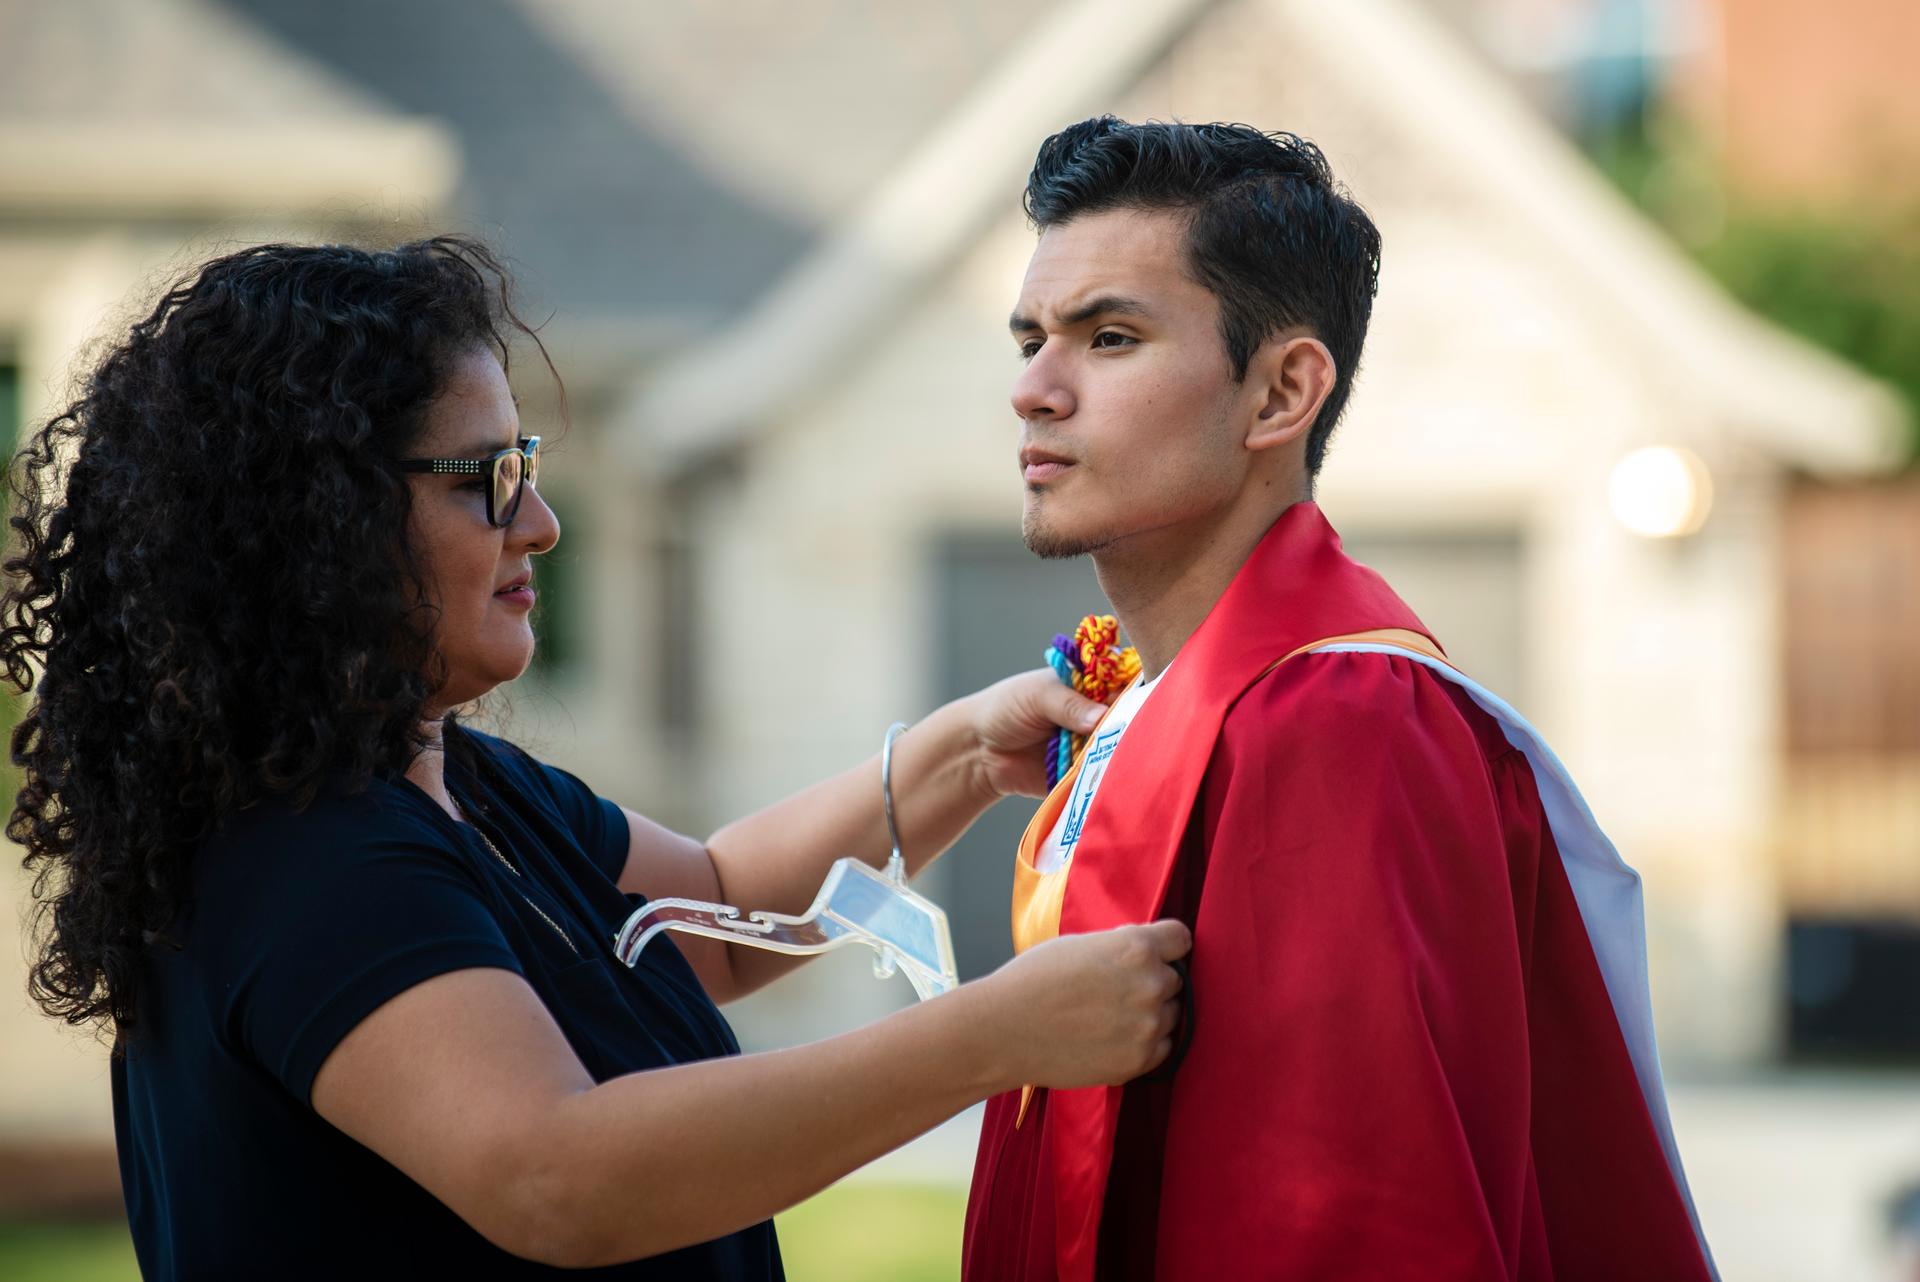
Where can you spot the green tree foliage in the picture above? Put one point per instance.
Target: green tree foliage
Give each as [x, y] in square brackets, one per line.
[1851, 287]
[1840, 276]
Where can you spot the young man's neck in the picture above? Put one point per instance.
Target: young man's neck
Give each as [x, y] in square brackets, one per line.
[1163, 585]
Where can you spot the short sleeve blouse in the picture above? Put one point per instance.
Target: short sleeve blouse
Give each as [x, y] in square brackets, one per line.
[298, 924]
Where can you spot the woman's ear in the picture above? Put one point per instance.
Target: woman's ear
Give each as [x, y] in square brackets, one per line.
[1296, 373]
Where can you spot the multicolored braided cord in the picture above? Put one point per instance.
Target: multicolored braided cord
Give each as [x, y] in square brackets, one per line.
[1089, 662]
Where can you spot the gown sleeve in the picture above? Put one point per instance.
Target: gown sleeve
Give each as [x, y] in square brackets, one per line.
[1355, 1100]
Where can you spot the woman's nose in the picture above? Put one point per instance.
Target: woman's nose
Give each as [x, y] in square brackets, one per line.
[535, 526]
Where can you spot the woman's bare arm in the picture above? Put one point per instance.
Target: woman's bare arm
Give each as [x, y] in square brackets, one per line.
[946, 770]
[465, 1084]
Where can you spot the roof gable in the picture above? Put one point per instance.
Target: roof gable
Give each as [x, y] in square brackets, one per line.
[1407, 81]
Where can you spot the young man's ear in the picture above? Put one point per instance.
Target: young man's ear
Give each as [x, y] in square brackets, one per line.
[1296, 374]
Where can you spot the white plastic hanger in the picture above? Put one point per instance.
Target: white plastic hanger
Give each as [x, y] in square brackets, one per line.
[856, 905]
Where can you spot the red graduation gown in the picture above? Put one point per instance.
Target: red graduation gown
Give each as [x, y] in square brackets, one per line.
[1404, 1059]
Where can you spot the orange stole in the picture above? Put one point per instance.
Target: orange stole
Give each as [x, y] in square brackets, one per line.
[1038, 896]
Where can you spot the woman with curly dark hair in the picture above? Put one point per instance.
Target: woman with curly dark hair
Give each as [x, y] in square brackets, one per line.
[355, 954]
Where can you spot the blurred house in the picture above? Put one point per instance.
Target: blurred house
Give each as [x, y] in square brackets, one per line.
[1812, 124]
[135, 138]
[838, 469]
[139, 137]
[780, 241]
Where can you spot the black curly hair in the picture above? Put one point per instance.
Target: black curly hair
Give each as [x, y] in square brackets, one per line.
[1272, 235]
[211, 576]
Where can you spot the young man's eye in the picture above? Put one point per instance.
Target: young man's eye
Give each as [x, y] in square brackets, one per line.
[1029, 349]
[1120, 340]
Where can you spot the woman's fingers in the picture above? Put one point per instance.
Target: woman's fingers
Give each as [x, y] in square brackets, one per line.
[1097, 1008]
[1073, 710]
[1170, 937]
[1162, 1049]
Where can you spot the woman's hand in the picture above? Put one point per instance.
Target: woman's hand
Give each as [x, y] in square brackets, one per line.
[1095, 1009]
[960, 759]
[1013, 722]
[467, 1085]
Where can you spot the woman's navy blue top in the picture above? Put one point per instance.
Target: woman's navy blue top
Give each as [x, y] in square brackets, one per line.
[296, 927]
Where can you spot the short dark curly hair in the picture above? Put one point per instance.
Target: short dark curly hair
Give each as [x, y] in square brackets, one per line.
[211, 576]
[1272, 235]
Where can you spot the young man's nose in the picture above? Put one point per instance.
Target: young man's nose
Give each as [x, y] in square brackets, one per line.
[1040, 392]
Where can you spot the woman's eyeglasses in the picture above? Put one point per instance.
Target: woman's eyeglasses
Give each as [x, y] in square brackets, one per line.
[510, 471]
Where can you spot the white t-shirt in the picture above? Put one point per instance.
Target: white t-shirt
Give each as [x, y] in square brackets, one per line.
[1057, 850]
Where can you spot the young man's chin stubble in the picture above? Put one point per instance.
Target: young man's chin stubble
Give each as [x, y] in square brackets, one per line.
[1050, 544]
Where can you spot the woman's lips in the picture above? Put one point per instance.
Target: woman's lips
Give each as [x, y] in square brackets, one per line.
[1040, 471]
[520, 596]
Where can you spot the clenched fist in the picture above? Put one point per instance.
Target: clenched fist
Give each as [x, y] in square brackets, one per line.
[1095, 1009]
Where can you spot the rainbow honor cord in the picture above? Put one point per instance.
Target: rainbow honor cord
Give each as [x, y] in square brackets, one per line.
[1090, 663]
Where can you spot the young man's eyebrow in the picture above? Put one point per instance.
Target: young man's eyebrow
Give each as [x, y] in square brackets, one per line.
[1099, 305]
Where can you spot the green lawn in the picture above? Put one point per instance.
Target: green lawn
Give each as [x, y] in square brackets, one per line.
[875, 1233]
[66, 1253]
[851, 1233]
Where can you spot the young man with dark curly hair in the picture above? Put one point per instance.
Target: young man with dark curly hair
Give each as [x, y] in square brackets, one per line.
[1416, 1036]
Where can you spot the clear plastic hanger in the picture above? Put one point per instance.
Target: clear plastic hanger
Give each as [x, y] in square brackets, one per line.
[856, 905]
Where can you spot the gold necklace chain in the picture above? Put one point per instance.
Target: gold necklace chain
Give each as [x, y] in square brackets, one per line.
[508, 864]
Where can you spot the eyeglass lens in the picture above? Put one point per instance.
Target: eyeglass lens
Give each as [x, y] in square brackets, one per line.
[509, 470]
[506, 486]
